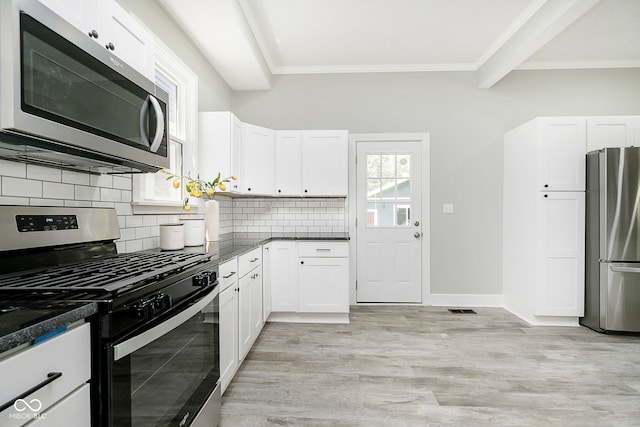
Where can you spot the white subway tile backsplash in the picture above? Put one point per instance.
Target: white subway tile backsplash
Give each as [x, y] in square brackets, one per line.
[18, 170]
[123, 208]
[133, 245]
[78, 203]
[101, 181]
[56, 190]
[110, 195]
[143, 232]
[46, 202]
[21, 187]
[149, 220]
[127, 196]
[122, 182]
[70, 177]
[102, 205]
[134, 221]
[43, 174]
[83, 192]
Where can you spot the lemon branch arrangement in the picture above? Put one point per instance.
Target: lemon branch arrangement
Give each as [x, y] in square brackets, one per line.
[198, 188]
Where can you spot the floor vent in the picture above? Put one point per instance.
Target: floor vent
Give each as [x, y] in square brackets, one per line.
[461, 311]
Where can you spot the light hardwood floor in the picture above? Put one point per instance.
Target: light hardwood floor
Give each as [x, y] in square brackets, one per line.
[421, 366]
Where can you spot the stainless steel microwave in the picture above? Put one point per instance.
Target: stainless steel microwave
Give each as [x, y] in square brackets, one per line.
[67, 101]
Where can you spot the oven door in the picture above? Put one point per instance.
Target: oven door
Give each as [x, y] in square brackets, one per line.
[168, 374]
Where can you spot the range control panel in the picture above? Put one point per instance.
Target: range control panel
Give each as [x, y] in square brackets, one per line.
[28, 223]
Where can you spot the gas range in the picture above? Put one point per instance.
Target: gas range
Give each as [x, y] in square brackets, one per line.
[147, 303]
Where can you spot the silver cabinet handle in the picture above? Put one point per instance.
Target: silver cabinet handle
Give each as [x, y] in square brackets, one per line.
[625, 269]
[323, 250]
[254, 260]
[51, 377]
[126, 348]
[229, 275]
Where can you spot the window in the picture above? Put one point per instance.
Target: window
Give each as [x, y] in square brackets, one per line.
[152, 189]
[388, 190]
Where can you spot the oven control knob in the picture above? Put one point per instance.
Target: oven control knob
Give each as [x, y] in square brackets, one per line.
[201, 280]
[213, 276]
[143, 310]
[162, 302]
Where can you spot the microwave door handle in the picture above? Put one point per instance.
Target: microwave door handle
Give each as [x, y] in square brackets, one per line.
[157, 139]
[144, 115]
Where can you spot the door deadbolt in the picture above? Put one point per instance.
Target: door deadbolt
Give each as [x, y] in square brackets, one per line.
[417, 224]
[417, 234]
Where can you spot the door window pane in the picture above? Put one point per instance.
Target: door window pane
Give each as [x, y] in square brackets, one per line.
[388, 189]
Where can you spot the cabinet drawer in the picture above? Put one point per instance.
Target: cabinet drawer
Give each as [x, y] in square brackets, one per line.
[68, 354]
[249, 261]
[228, 273]
[323, 249]
[72, 411]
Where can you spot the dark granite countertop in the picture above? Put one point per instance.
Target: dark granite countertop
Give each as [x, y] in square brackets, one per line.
[234, 244]
[24, 322]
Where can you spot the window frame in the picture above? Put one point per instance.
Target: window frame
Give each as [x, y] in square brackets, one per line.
[170, 65]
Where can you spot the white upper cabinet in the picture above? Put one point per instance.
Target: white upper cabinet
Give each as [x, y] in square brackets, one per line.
[106, 22]
[258, 154]
[288, 162]
[325, 163]
[612, 131]
[128, 39]
[562, 149]
[219, 140]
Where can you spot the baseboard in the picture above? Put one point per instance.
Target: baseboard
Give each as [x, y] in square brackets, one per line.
[309, 317]
[466, 300]
[547, 320]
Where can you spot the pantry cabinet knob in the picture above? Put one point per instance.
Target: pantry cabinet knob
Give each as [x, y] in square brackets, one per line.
[546, 195]
[301, 262]
[306, 191]
[546, 186]
[93, 34]
[249, 189]
[279, 191]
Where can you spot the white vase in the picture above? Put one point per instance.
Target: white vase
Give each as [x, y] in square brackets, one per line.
[212, 220]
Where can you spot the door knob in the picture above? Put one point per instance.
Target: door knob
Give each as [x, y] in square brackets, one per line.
[417, 224]
[417, 234]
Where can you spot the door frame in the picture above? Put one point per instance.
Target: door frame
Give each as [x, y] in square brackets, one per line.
[424, 140]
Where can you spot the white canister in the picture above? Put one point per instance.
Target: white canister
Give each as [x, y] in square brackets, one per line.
[171, 236]
[193, 232]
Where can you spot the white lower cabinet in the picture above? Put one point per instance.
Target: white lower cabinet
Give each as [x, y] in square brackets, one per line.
[266, 282]
[310, 281]
[323, 285]
[560, 287]
[67, 357]
[229, 330]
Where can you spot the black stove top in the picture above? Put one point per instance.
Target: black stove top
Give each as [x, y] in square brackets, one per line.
[115, 273]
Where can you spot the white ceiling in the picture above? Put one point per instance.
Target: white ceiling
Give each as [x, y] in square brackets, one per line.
[248, 41]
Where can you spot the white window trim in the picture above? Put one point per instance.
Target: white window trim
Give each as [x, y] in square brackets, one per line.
[171, 65]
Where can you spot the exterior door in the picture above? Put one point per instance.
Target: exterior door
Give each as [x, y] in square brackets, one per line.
[389, 222]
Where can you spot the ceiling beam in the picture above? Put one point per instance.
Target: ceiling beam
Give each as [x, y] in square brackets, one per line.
[220, 30]
[550, 19]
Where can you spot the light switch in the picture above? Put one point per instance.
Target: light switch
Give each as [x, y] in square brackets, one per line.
[447, 208]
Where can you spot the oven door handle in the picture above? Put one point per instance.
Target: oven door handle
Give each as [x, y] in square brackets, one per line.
[126, 348]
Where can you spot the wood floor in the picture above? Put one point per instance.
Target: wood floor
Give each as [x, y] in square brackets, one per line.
[421, 366]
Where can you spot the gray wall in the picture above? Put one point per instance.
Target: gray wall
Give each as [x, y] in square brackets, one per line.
[466, 125]
[213, 93]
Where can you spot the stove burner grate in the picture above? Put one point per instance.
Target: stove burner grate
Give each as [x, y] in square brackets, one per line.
[103, 274]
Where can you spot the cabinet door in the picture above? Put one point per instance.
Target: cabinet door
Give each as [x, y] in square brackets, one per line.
[72, 411]
[258, 160]
[244, 316]
[610, 131]
[324, 285]
[288, 163]
[228, 334]
[131, 42]
[325, 163]
[266, 281]
[560, 287]
[284, 276]
[82, 14]
[219, 146]
[562, 154]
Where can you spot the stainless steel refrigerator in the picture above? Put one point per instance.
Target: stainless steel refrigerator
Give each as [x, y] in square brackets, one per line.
[612, 294]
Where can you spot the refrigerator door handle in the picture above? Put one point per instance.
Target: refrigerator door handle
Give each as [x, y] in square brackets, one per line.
[625, 269]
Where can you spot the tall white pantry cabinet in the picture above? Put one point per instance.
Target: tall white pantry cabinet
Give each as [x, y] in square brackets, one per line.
[543, 220]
